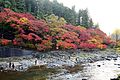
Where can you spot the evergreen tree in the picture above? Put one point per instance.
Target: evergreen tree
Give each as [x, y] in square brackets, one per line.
[91, 23]
[43, 8]
[85, 18]
[20, 5]
[96, 25]
[73, 16]
[79, 21]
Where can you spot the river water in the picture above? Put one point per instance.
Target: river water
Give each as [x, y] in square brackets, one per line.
[95, 66]
[100, 70]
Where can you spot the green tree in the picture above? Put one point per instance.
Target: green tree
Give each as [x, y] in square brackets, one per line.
[96, 25]
[85, 18]
[73, 16]
[79, 21]
[91, 24]
[5, 3]
[43, 8]
[20, 5]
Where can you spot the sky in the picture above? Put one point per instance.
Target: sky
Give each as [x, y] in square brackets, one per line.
[104, 12]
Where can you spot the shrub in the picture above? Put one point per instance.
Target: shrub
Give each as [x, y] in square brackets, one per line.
[24, 30]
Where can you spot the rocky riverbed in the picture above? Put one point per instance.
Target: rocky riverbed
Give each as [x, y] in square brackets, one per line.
[71, 64]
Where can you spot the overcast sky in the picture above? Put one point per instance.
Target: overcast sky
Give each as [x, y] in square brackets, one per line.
[105, 12]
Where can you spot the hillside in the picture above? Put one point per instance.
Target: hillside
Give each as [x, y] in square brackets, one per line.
[25, 31]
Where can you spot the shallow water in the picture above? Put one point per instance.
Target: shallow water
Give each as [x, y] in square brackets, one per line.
[100, 70]
[33, 73]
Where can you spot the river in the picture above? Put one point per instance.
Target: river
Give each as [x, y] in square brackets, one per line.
[96, 65]
[100, 70]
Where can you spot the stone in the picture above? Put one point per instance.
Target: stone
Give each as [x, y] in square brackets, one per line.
[114, 79]
[84, 79]
[98, 65]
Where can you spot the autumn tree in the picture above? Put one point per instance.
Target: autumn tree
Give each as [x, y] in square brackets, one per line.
[116, 34]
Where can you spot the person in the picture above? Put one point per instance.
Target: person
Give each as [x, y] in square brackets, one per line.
[1, 68]
[9, 64]
[13, 66]
[36, 62]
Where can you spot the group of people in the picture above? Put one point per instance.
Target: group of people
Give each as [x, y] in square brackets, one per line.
[11, 65]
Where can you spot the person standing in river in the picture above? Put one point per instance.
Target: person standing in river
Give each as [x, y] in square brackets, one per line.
[13, 66]
[10, 64]
[36, 62]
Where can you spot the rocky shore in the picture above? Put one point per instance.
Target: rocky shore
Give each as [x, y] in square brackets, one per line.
[58, 58]
[61, 60]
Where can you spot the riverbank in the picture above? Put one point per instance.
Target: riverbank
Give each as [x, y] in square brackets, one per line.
[70, 63]
[58, 58]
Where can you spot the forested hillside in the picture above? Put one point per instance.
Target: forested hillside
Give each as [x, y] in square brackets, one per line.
[25, 31]
[43, 8]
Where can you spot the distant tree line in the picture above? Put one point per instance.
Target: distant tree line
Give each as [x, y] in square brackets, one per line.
[43, 8]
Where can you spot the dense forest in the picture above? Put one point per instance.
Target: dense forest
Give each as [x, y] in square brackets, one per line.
[43, 8]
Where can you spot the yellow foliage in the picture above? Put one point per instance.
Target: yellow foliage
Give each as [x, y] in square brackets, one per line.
[116, 31]
[54, 21]
[116, 34]
[93, 40]
[54, 31]
[96, 40]
[24, 20]
[83, 28]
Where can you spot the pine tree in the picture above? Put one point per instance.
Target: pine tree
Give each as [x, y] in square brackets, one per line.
[90, 23]
[85, 18]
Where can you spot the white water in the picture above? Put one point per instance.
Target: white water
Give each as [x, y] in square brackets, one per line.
[107, 70]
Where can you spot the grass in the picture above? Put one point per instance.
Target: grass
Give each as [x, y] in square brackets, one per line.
[74, 69]
[33, 73]
[84, 55]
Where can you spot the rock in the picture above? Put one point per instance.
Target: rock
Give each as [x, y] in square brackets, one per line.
[114, 58]
[108, 59]
[84, 79]
[114, 79]
[53, 65]
[98, 65]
